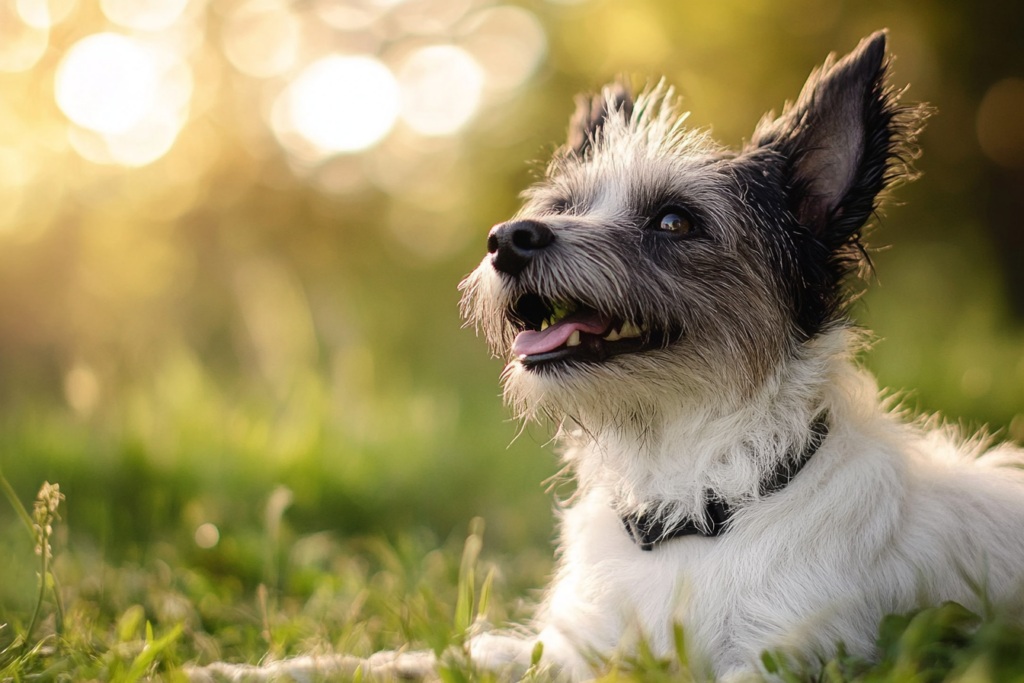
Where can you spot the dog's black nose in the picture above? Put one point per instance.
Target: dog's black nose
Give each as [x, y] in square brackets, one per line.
[513, 244]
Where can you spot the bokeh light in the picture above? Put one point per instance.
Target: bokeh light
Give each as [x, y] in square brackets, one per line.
[82, 389]
[348, 15]
[207, 535]
[441, 88]
[143, 15]
[44, 13]
[261, 38]
[339, 104]
[128, 99]
[22, 44]
[1001, 123]
[107, 82]
[429, 17]
[508, 42]
[146, 142]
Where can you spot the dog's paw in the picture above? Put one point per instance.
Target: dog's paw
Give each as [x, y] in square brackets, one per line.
[494, 651]
[513, 654]
[387, 665]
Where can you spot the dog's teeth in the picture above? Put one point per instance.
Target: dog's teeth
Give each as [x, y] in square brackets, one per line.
[544, 325]
[629, 331]
[574, 339]
[612, 336]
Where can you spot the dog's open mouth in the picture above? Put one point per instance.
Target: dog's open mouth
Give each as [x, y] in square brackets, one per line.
[554, 331]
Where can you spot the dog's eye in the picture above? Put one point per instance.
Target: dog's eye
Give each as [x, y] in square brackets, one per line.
[676, 221]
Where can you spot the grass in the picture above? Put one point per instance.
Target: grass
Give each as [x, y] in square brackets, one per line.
[134, 620]
[147, 620]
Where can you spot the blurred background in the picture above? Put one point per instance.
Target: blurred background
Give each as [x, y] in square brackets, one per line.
[231, 233]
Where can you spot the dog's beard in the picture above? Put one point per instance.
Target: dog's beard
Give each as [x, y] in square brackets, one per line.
[484, 305]
[625, 392]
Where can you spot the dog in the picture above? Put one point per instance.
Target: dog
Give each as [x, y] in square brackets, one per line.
[681, 312]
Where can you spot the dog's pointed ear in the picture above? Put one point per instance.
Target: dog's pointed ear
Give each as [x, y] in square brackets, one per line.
[592, 112]
[842, 143]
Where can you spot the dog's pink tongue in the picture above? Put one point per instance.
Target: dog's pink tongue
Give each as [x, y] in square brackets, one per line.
[529, 343]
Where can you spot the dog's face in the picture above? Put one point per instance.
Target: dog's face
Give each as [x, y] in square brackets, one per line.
[652, 265]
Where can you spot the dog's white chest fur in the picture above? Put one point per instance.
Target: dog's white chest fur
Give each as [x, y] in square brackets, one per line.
[883, 517]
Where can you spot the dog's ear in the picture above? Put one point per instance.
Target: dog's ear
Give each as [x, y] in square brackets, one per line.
[592, 111]
[843, 142]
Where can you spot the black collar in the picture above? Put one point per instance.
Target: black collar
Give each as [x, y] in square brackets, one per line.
[648, 530]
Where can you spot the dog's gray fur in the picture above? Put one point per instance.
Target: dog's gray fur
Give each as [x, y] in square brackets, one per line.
[732, 292]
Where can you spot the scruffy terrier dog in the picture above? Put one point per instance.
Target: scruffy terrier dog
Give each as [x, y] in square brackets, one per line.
[679, 310]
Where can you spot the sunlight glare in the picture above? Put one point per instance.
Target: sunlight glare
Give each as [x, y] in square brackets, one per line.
[441, 88]
[106, 82]
[129, 99]
[340, 104]
[140, 145]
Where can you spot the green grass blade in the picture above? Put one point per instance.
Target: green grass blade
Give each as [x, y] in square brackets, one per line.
[467, 579]
[26, 519]
[536, 654]
[485, 597]
[153, 649]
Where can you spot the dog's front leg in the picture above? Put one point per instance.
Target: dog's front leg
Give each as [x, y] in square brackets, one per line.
[503, 652]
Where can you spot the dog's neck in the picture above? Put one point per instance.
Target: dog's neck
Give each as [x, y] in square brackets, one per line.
[694, 445]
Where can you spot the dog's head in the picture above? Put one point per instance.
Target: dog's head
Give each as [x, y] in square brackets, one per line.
[651, 262]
